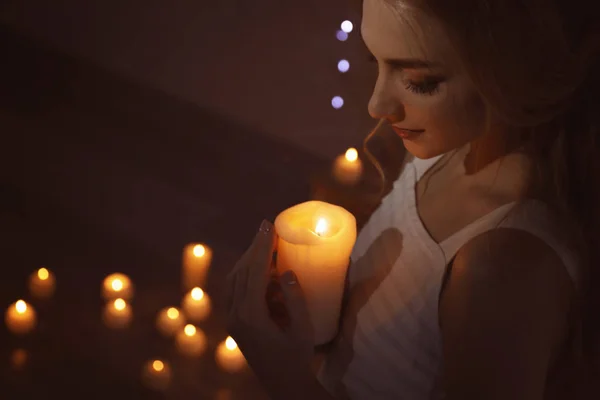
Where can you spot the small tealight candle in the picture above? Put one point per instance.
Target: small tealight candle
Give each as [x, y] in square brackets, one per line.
[315, 241]
[117, 314]
[20, 318]
[191, 341]
[229, 357]
[347, 168]
[170, 321]
[156, 374]
[117, 286]
[196, 262]
[196, 305]
[42, 283]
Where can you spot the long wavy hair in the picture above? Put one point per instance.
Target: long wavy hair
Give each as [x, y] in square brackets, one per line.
[536, 65]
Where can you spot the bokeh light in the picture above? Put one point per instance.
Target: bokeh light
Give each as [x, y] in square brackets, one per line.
[341, 36]
[347, 26]
[337, 102]
[343, 66]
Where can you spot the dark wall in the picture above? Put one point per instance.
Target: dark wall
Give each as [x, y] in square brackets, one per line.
[270, 65]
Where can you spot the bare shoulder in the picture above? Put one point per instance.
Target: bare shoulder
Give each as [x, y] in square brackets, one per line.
[503, 316]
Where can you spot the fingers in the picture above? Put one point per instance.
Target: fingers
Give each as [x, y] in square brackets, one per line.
[248, 280]
[295, 301]
[260, 268]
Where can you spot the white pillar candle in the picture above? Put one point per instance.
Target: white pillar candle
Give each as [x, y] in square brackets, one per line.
[229, 357]
[156, 374]
[315, 241]
[42, 283]
[196, 305]
[117, 286]
[170, 321]
[20, 317]
[196, 262]
[117, 314]
[191, 341]
[347, 168]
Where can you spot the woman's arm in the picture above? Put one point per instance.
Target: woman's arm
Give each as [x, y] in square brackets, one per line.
[503, 316]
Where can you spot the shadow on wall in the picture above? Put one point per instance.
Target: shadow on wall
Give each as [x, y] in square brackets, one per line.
[157, 170]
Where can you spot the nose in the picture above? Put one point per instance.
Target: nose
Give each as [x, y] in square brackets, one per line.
[383, 102]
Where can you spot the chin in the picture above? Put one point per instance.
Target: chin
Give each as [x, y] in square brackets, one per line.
[423, 152]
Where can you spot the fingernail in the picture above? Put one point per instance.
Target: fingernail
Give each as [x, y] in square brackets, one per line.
[265, 227]
[289, 277]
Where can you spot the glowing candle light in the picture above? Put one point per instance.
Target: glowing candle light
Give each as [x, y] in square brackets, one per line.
[117, 286]
[191, 341]
[229, 357]
[169, 321]
[42, 283]
[117, 314]
[20, 317]
[347, 168]
[196, 305]
[315, 241]
[196, 263]
[156, 374]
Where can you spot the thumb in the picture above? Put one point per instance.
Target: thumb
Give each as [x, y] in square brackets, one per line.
[295, 303]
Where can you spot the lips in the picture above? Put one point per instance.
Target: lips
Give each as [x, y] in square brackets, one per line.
[407, 133]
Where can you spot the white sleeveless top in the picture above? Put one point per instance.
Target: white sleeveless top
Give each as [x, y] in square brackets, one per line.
[389, 345]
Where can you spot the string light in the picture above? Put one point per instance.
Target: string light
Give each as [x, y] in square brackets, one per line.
[343, 66]
[337, 102]
[347, 26]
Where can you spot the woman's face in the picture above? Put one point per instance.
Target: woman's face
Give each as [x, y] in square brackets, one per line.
[419, 87]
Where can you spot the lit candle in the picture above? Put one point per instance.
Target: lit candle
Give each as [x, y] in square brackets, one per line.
[117, 314]
[20, 317]
[191, 341]
[42, 283]
[196, 261]
[156, 374]
[169, 321]
[315, 241]
[117, 286]
[347, 168]
[196, 305]
[229, 357]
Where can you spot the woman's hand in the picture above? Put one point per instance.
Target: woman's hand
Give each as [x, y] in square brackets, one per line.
[280, 353]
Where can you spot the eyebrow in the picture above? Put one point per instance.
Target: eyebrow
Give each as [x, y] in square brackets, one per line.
[411, 63]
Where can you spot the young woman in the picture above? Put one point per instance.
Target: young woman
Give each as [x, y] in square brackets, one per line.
[478, 276]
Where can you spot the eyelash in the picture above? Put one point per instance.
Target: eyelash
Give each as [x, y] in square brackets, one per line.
[428, 86]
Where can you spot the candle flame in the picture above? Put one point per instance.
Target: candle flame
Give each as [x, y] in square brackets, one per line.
[230, 343]
[321, 227]
[199, 250]
[43, 274]
[117, 285]
[189, 330]
[197, 293]
[173, 313]
[21, 306]
[351, 154]
[119, 304]
[158, 365]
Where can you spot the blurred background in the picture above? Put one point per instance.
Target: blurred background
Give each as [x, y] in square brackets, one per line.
[132, 128]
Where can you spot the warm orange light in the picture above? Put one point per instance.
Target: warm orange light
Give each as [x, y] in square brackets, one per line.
[189, 330]
[351, 154]
[119, 304]
[197, 293]
[117, 285]
[43, 274]
[173, 313]
[199, 250]
[230, 343]
[21, 306]
[158, 365]
[321, 227]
